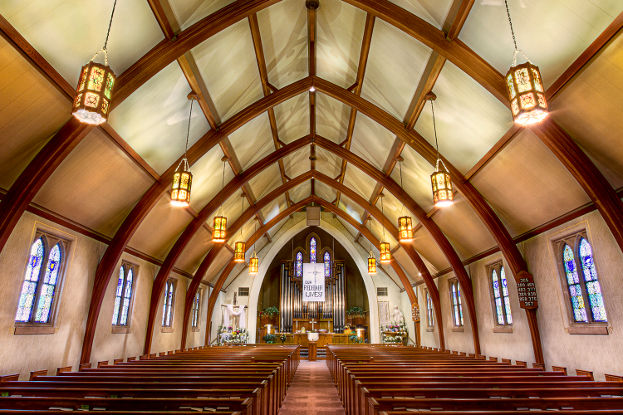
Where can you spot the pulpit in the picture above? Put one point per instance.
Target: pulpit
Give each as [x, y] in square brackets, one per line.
[312, 345]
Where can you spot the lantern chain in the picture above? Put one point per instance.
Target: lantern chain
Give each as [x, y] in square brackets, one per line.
[432, 106]
[190, 114]
[109, 25]
[510, 22]
[383, 213]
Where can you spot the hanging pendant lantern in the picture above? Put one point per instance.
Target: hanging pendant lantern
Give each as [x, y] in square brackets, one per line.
[219, 229]
[95, 85]
[254, 263]
[183, 178]
[239, 252]
[405, 229]
[385, 256]
[443, 195]
[525, 87]
[371, 264]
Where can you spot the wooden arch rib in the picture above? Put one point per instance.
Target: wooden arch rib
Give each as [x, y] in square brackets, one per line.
[374, 211]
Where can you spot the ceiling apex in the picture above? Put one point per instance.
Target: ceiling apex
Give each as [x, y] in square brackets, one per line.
[312, 4]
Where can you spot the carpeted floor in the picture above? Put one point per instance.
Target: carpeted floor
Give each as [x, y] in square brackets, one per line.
[312, 392]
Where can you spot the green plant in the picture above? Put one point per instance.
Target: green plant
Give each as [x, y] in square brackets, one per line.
[355, 310]
[269, 338]
[283, 338]
[354, 339]
[270, 311]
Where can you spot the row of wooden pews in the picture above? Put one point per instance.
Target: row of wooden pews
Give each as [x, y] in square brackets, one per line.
[399, 380]
[243, 380]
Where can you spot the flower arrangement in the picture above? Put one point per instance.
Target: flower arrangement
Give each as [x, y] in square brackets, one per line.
[229, 335]
[283, 338]
[396, 327]
[354, 339]
[392, 339]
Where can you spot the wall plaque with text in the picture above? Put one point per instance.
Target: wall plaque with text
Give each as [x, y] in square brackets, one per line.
[526, 290]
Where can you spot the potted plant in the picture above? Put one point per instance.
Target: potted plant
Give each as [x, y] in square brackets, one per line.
[269, 338]
[283, 338]
[357, 316]
[269, 316]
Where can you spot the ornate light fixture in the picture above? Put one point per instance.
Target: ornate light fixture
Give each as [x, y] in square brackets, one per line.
[441, 181]
[239, 249]
[95, 85]
[183, 178]
[371, 264]
[385, 255]
[405, 224]
[219, 225]
[525, 87]
[254, 262]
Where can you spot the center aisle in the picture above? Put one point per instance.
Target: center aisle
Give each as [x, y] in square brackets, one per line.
[312, 391]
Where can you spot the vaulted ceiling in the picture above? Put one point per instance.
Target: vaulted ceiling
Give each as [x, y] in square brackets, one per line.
[253, 76]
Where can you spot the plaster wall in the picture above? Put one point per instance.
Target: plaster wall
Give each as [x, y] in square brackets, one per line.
[428, 337]
[457, 338]
[163, 339]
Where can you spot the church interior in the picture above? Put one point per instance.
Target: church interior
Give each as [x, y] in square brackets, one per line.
[311, 206]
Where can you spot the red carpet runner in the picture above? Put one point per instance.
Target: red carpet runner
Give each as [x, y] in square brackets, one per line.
[312, 392]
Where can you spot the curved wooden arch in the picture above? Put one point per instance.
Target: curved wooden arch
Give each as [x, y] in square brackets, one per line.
[248, 214]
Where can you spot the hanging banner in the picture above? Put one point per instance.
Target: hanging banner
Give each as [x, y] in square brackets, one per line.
[313, 282]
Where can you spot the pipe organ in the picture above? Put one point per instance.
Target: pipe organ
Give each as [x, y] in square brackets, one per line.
[294, 309]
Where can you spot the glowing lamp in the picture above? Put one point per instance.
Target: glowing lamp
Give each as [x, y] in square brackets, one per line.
[405, 229]
[254, 263]
[239, 252]
[526, 94]
[93, 94]
[371, 264]
[182, 180]
[219, 229]
[385, 253]
[442, 186]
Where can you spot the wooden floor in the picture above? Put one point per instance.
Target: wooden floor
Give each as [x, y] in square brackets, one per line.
[312, 391]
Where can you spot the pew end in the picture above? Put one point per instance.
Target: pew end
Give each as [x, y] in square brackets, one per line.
[9, 378]
[586, 373]
[613, 378]
[560, 369]
[35, 373]
[65, 369]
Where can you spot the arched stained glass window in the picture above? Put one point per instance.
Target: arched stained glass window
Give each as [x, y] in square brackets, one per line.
[298, 266]
[501, 300]
[167, 309]
[573, 283]
[118, 292]
[591, 282]
[127, 296]
[312, 249]
[31, 279]
[195, 310]
[430, 316]
[327, 264]
[455, 296]
[123, 294]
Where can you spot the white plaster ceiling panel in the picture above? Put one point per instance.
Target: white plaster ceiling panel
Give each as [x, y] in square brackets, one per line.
[195, 250]
[67, 33]
[395, 66]
[432, 11]
[325, 192]
[283, 28]
[407, 265]
[298, 162]
[381, 235]
[273, 231]
[552, 33]
[332, 118]
[207, 176]
[464, 228]
[26, 96]
[469, 119]
[349, 229]
[546, 190]
[428, 249]
[154, 119]
[188, 12]
[96, 163]
[266, 181]
[228, 66]
[585, 99]
[253, 141]
[327, 162]
[358, 181]
[392, 207]
[415, 177]
[160, 228]
[300, 192]
[293, 118]
[371, 141]
[339, 35]
[351, 208]
[274, 208]
[218, 264]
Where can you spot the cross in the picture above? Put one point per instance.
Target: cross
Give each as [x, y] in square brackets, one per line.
[313, 322]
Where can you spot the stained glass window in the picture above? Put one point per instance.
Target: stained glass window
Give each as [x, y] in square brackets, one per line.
[501, 301]
[167, 309]
[127, 296]
[299, 264]
[312, 249]
[457, 311]
[573, 283]
[118, 292]
[123, 295]
[593, 289]
[430, 317]
[195, 310]
[29, 288]
[327, 264]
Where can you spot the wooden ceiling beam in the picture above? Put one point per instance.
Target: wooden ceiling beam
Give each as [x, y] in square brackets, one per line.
[267, 89]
